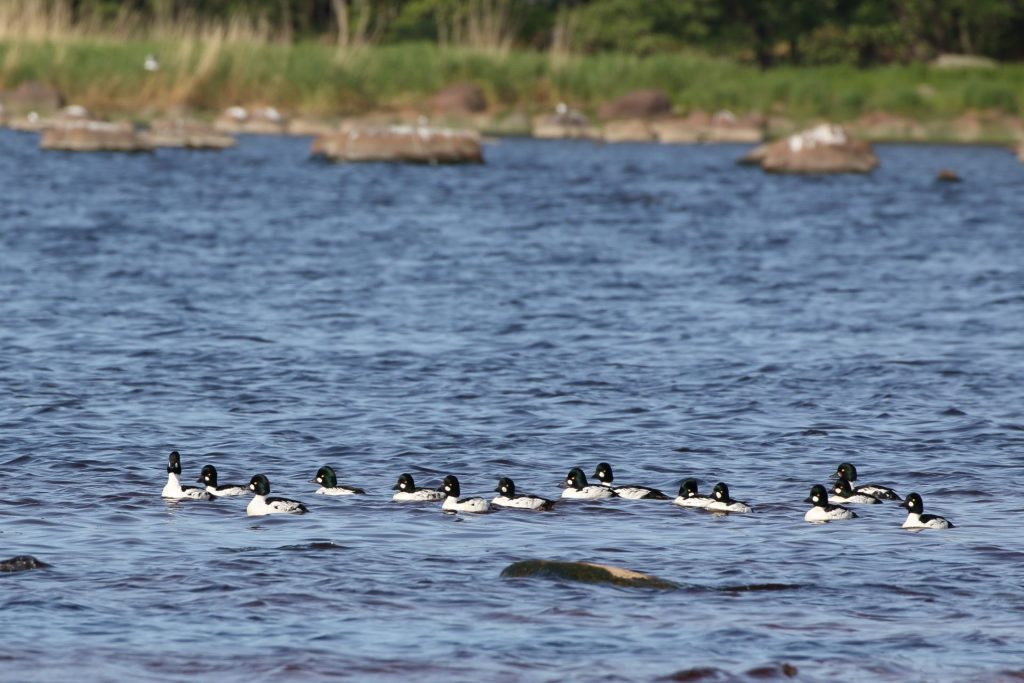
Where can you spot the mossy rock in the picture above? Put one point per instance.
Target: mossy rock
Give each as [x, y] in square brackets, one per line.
[585, 572]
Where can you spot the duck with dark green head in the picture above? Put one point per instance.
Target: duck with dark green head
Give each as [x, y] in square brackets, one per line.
[632, 491]
[508, 498]
[406, 491]
[263, 504]
[689, 498]
[328, 480]
[209, 477]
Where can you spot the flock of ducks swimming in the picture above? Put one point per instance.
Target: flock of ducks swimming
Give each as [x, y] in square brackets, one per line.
[575, 486]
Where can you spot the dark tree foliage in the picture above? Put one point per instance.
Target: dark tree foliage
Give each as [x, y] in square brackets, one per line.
[766, 32]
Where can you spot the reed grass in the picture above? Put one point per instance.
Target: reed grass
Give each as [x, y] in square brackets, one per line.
[209, 67]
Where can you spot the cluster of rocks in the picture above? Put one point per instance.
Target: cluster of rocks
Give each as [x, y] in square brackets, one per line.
[73, 129]
[409, 135]
[646, 116]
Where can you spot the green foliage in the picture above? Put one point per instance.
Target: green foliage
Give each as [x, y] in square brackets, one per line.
[315, 78]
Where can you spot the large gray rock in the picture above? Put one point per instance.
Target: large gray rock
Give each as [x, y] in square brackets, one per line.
[407, 144]
[823, 149]
[585, 572]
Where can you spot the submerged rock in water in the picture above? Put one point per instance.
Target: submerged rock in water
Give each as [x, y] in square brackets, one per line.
[409, 144]
[822, 149]
[585, 572]
[21, 563]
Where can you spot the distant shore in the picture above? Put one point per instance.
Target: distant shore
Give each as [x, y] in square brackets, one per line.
[917, 102]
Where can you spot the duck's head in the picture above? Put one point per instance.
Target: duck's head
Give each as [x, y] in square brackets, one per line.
[576, 479]
[208, 476]
[174, 463]
[842, 487]
[721, 492]
[405, 483]
[818, 496]
[450, 486]
[913, 503]
[603, 472]
[326, 477]
[688, 489]
[506, 487]
[846, 471]
[260, 485]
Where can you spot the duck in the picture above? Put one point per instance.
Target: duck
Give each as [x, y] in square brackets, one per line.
[328, 481]
[452, 502]
[262, 505]
[604, 474]
[689, 498]
[917, 520]
[209, 478]
[842, 492]
[848, 471]
[576, 486]
[822, 510]
[173, 488]
[408, 491]
[723, 503]
[508, 498]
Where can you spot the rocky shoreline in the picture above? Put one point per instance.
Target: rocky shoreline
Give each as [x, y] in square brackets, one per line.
[447, 127]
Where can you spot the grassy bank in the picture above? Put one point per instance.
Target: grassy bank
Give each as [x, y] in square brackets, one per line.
[317, 79]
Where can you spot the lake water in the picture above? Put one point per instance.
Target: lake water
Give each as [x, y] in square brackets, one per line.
[656, 307]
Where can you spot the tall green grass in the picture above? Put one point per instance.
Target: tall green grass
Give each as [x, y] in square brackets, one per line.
[316, 78]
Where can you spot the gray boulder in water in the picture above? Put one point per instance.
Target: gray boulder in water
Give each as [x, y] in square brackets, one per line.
[21, 563]
[585, 572]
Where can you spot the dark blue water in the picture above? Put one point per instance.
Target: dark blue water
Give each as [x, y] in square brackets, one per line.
[656, 307]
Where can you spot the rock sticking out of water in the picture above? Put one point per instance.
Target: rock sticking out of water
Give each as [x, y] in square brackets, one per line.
[408, 144]
[21, 563]
[585, 572]
[93, 136]
[823, 149]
